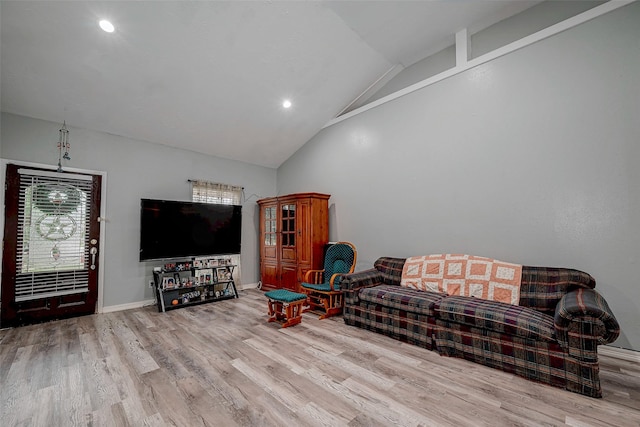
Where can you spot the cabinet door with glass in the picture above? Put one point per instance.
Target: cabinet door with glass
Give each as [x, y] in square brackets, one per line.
[269, 245]
[288, 232]
[269, 231]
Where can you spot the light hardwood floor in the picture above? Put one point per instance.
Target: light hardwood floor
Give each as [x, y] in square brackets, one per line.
[221, 364]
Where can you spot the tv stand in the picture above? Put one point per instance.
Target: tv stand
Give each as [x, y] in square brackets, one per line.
[178, 287]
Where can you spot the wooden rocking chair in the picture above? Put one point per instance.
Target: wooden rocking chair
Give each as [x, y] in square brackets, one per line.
[323, 286]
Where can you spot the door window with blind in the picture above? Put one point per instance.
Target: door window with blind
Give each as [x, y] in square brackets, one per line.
[53, 235]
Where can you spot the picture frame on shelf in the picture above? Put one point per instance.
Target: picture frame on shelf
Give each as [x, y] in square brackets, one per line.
[224, 274]
[205, 276]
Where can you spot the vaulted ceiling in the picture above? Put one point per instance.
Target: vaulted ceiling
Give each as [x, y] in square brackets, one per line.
[211, 76]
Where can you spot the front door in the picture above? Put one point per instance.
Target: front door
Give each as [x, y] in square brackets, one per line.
[51, 240]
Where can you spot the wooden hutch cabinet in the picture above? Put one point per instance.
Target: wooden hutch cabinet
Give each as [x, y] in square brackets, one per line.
[293, 232]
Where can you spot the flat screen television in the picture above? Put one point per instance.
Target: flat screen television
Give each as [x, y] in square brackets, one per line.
[172, 229]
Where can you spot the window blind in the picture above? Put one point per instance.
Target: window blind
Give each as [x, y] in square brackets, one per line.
[213, 192]
[53, 233]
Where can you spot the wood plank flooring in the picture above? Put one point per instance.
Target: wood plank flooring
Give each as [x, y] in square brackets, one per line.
[222, 364]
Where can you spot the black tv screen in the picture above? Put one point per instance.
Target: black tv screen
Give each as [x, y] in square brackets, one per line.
[171, 229]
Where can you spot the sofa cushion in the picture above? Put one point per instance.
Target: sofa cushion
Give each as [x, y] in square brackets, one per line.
[399, 324]
[410, 300]
[496, 316]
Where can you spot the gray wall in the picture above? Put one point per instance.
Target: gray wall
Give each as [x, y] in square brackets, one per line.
[530, 158]
[534, 19]
[430, 66]
[135, 170]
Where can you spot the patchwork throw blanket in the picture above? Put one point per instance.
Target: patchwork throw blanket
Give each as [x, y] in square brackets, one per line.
[464, 275]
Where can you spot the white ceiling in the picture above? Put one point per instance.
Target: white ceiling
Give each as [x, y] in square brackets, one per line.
[210, 76]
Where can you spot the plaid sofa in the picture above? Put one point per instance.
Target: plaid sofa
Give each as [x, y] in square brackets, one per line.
[550, 337]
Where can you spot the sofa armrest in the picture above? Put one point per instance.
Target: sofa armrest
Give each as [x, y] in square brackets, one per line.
[352, 283]
[583, 320]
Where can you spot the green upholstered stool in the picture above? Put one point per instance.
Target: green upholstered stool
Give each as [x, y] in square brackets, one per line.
[285, 307]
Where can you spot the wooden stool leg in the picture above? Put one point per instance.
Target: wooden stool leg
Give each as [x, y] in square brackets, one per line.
[294, 314]
[275, 311]
[272, 312]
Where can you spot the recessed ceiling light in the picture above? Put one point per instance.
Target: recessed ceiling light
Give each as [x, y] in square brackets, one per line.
[286, 103]
[107, 26]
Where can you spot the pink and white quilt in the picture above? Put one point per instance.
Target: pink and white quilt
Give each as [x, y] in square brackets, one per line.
[464, 275]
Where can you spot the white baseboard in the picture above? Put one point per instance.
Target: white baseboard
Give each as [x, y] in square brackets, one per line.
[619, 353]
[127, 306]
[248, 286]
